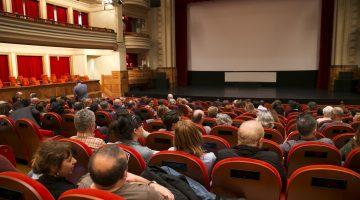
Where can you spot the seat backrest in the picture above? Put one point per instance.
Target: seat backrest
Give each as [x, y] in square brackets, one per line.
[333, 130]
[19, 185]
[208, 121]
[184, 163]
[68, 126]
[51, 121]
[323, 182]
[290, 128]
[82, 153]
[268, 145]
[341, 139]
[136, 164]
[245, 177]
[214, 143]
[9, 136]
[245, 117]
[279, 127]
[160, 140]
[273, 135]
[8, 153]
[312, 153]
[353, 160]
[89, 194]
[249, 114]
[155, 125]
[229, 133]
[1, 84]
[200, 128]
[103, 118]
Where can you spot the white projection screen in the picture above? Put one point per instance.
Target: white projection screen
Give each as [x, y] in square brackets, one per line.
[254, 35]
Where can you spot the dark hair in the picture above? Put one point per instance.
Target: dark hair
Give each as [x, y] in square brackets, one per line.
[170, 118]
[78, 106]
[104, 105]
[57, 108]
[52, 99]
[94, 107]
[312, 105]
[5, 108]
[17, 105]
[25, 102]
[306, 124]
[279, 110]
[40, 106]
[123, 127]
[107, 178]
[49, 155]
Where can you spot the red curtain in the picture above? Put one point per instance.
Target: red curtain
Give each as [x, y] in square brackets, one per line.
[59, 66]
[84, 19]
[30, 66]
[181, 42]
[4, 68]
[76, 17]
[32, 8]
[50, 12]
[1, 6]
[17, 7]
[127, 24]
[61, 14]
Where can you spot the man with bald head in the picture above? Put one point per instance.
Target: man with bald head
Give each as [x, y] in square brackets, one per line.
[108, 170]
[198, 118]
[249, 145]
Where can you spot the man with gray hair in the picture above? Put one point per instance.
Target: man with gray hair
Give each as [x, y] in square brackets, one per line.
[85, 125]
[198, 118]
[327, 112]
[223, 119]
[249, 145]
[336, 119]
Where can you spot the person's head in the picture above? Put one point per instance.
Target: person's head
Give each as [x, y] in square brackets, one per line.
[17, 105]
[87, 102]
[108, 167]
[34, 101]
[212, 111]
[223, 119]
[53, 99]
[78, 106]
[117, 103]
[4, 108]
[250, 133]
[104, 105]
[356, 117]
[294, 105]
[312, 106]
[170, 119]
[188, 138]
[94, 107]
[84, 121]
[162, 110]
[327, 111]
[25, 102]
[198, 116]
[57, 108]
[40, 106]
[249, 107]
[53, 158]
[337, 113]
[123, 127]
[306, 125]
[265, 118]
[170, 96]
[238, 103]
[279, 109]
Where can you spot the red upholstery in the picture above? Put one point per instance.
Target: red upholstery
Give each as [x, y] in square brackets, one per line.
[184, 163]
[332, 131]
[103, 118]
[245, 117]
[295, 135]
[312, 153]
[209, 122]
[136, 163]
[269, 145]
[290, 128]
[68, 126]
[279, 127]
[160, 140]
[9, 136]
[237, 122]
[249, 114]
[229, 133]
[245, 177]
[214, 143]
[8, 153]
[29, 188]
[51, 121]
[200, 128]
[342, 139]
[273, 135]
[89, 194]
[323, 182]
[353, 160]
[82, 154]
[154, 125]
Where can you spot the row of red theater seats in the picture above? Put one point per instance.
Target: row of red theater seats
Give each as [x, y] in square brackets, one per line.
[21, 81]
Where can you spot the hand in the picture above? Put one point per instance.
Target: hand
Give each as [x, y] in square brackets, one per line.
[163, 191]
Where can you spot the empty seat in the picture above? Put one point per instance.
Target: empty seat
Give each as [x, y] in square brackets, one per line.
[273, 135]
[353, 160]
[245, 177]
[8, 153]
[136, 164]
[342, 139]
[229, 133]
[89, 194]
[312, 153]
[160, 140]
[51, 121]
[333, 130]
[184, 163]
[323, 182]
[15, 185]
[103, 118]
[214, 143]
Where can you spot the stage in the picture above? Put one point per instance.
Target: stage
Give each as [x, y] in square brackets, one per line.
[251, 92]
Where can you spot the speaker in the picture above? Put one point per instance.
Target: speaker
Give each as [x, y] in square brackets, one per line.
[155, 3]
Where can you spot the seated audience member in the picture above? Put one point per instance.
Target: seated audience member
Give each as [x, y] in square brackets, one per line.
[105, 106]
[170, 120]
[336, 117]
[54, 161]
[17, 97]
[188, 139]
[223, 119]
[306, 125]
[94, 107]
[172, 102]
[249, 145]
[161, 111]
[265, 118]
[108, 169]
[198, 118]
[22, 109]
[238, 103]
[127, 129]
[356, 117]
[352, 144]
[6, 165]
[170, 96]
[277, 106]
[41, 108]
[5, 108]
[327, 112]
[294, 107]
[249, 108]
[312, 105]
[87, 102]
[84, 121]
[34, 101]
[212, 111]
[57, 108]
[78, 106]
[117, 104]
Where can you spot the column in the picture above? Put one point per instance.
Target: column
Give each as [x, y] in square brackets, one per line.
[70, 15]
[43, 10]
[7, 5]
[46, 65]
[13, 68]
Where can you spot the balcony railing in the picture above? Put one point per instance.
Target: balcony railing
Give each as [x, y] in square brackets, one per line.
[137, 40]
[143, 3]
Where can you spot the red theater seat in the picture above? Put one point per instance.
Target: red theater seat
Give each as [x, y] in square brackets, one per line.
[334, 130]
[51, 121]
[353, 160]
[147, 111]
[103, 118]
[154, 125]
[214, 143]
[312, 153]
[231, 114]
[323, 182]
[89, 194]
[269, 145]
[209, 122]
[184, 163]
[355, 125]
[22, 186]
[136, 164]
[342, 139]
[9, 136]
[200, 128]
[160, 140]
[280, 127]
[273, 135]
[295, 135]
[245, 177]
[229, 133]
[68, 126]
[8, 153]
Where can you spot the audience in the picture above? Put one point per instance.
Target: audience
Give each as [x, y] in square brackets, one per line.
[22, 109]
[336, 119]
[294, 108]
[212, 111]
[265, 118]
[352, 144]
[223, 119]
[327, 112]
[170, 120]
[198, 118]
[84, 121]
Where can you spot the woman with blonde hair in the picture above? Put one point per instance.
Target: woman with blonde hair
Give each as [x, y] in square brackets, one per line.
[188, 139]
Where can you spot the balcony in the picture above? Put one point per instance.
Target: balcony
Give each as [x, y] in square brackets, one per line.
[142, 3]
[20, 29]
[137, 40]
